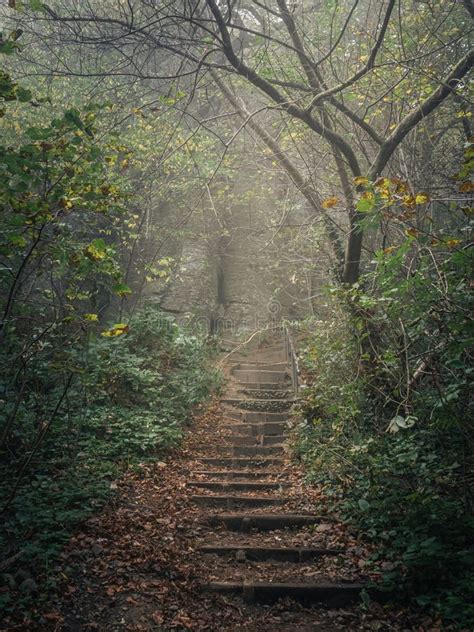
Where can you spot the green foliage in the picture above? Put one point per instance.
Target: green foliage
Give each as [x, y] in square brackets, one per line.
[387, 421]
[56, 195]
[130, 400]
[82, 396]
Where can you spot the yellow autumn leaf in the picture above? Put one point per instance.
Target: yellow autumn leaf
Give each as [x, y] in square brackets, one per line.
[68, 203]
[382, 183]
[422, 198]
[117, 330]
[94, 253]
[91, 317]
[409, 201]
[400, 186]
[360, 181]
[452, 243]
[329, 202]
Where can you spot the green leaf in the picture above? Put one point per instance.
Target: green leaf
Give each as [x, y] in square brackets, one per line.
[99, 244]
[72, 116]
[17, 240]
[16, 220]
[8, 48]
[23, 95]
[39, 133]
[401, 423]
[364, 205]
[363, 504]
[121, 289]
[36, 5]
[96, 250]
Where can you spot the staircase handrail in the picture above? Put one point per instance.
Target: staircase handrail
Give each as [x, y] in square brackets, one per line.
[292, 359]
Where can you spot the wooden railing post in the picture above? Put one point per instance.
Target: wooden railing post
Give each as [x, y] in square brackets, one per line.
[292, 359]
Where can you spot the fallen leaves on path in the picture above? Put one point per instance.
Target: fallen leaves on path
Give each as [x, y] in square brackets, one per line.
[136, 567]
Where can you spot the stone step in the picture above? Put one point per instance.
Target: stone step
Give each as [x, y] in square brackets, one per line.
[274, 440]
[257, 366]
[260, 553]
[260, 356]
[242, 462]
[263, 386]
[237, 485]
[254, 416]
[332, 595]
[243, 440]
[229, 501]
[260, 405]
[276, 345]
[255, 393]
[249, 450]
[232, 474]
[246, 376]
[278, 354]
[262, 522]
[267, 353]
[255, 429]
[274, 357]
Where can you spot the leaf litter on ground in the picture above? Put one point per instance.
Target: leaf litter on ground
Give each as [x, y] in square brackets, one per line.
[136, 565]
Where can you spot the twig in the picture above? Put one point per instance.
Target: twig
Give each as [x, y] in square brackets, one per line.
[244, 343]
[38, 442]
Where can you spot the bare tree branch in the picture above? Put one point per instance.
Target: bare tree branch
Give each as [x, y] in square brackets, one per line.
[447, 87]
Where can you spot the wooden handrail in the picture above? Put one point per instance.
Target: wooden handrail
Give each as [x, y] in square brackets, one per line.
[292, 359]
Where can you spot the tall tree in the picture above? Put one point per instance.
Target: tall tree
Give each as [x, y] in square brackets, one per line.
[325, 66]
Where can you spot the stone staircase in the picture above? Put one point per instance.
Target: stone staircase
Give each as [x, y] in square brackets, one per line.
[258, 540]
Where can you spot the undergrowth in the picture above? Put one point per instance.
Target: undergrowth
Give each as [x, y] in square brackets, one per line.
[129, 400]
[386, 422]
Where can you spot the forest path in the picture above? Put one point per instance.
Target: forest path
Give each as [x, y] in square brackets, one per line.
[267, 542]
[222, 536]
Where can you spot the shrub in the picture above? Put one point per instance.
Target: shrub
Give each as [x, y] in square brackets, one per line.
[129, 400]
[386, 422]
